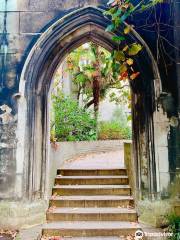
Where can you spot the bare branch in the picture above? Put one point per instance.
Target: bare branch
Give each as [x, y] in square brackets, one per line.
[89, 104]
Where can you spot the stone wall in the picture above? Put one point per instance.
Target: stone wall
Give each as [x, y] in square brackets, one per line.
[17, 215]
[7, 163]
[22, 22]
[8, 145]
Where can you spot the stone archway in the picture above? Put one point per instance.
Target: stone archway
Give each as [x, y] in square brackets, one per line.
[86, 24]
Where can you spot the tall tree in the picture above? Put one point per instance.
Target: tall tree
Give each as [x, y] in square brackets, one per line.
[93, 73]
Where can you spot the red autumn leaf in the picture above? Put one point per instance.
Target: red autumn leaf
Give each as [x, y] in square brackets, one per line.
[123, 76]
[116, 2]
[134, 75]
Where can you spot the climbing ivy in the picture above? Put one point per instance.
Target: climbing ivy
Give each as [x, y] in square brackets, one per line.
[119, 11]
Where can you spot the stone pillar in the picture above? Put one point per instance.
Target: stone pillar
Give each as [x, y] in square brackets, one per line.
[177, 44]
[7, 153]
[161, 126]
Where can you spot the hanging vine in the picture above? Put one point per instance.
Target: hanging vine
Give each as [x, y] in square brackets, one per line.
[123, 58]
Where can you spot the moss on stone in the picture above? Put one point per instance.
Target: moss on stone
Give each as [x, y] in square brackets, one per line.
[154, 213]
[22, 214]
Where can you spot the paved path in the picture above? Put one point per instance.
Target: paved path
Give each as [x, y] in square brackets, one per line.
[103, 160]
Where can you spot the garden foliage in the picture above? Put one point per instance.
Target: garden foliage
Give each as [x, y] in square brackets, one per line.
[70, 121]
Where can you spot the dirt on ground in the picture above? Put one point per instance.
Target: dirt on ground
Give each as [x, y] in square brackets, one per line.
[3, 237]
[8, 234]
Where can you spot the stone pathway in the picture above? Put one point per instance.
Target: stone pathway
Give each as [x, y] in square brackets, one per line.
[3, 237]
[32, 233]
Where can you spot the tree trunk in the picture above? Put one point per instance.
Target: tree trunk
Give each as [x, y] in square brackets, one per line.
[96, 94]
[96, 82]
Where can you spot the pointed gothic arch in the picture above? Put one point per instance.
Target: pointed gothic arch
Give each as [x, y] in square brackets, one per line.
[69, 32]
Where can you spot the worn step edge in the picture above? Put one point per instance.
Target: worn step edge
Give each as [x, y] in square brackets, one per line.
[91, 190]
[90, 181]
[86, 172]
[93, 210]
[90, 228]
[91, 214]
[93, 177]
[91, 198]
[92, 238]
[91, 225]
[120, 186]
[91, 201]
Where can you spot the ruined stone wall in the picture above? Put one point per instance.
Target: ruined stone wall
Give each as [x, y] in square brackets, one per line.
[22, 22]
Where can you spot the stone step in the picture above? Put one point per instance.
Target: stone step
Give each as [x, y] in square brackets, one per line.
[91, 214]
[91, 201]
[91, 172]
[123, 190]
[91, 180]
[93, 238]
[90, 228]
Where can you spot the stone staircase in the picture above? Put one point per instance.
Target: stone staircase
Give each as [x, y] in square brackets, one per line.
[91, 204]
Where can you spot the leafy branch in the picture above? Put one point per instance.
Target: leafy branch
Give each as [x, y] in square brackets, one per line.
[119, 11]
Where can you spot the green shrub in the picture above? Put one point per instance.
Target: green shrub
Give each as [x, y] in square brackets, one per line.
[174, 226]
[113, 130]
[71, 122]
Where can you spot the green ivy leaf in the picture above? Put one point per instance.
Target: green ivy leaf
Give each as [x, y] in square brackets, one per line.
[117, 22]
[134, 49]
[110, 28]
[117, 13]
[118, 38]
[111, 12]
[119, 56]
[123, 68]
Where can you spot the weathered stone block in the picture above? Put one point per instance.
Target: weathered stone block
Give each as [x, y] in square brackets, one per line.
[24, 42]
[7, 159]
[16, 43]
[177, 10]
[35, 5]
[12, 41]
[12, 22]
[11, 5]
[18, 214]
[11, 62]
[23, 5]
[33, 22]
[66, 5]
